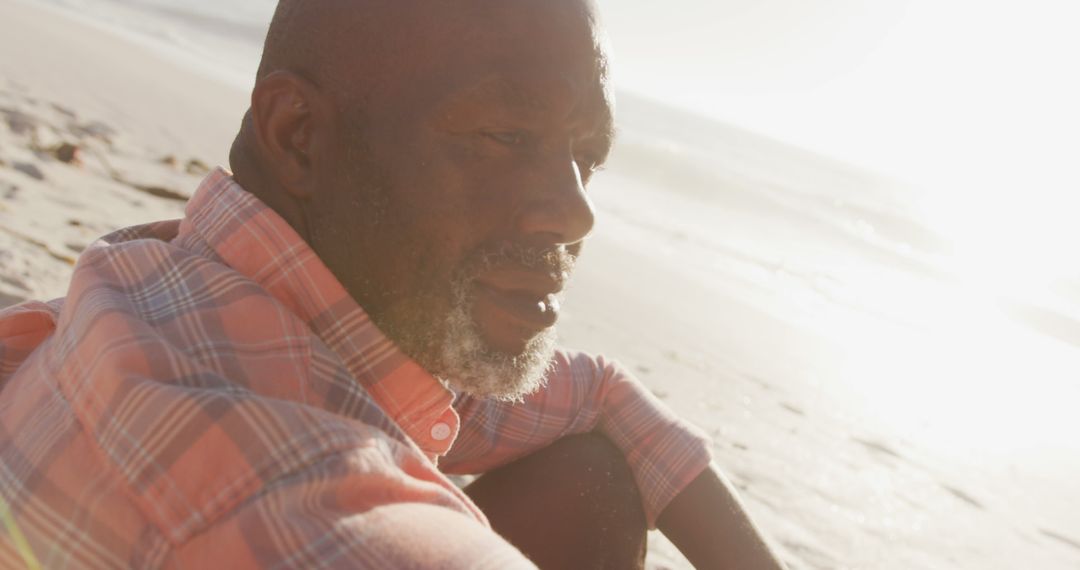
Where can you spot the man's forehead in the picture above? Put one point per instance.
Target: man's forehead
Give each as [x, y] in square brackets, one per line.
[529, 92]
[532, 56]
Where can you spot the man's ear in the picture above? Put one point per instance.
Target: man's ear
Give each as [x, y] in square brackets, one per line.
[286, 109]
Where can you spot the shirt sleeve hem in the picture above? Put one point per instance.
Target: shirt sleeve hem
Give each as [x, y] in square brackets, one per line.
[676, 485]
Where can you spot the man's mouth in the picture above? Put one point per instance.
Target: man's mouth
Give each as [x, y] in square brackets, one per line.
[513, 306]
[528, 308]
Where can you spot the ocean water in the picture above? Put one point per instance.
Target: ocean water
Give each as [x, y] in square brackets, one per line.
[958, 350]
[223, 39]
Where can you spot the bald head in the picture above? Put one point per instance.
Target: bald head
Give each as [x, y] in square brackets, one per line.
[311, 37]
[353, 46]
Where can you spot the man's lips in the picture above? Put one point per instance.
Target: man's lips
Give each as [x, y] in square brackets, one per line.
[534, 312]
[528, 297]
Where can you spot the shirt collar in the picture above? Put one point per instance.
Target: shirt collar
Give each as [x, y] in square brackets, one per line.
[255, 241]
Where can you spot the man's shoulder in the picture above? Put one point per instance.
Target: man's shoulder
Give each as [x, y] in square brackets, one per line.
[581, 363]
[196, 386]
[143, 289]
[149, 275]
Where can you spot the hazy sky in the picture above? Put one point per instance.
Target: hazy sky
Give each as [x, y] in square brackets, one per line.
[924, 88]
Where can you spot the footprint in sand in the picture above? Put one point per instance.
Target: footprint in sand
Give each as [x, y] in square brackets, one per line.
[14, 282]
[1060, 538]
[878, 448]
[29, 169]
[793, 409]
[963, 496]
[7, 300]
[93, 129]
[18, 122]
[63, 110]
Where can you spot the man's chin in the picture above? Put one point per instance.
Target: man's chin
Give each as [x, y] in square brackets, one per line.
[504, 362]
[513, 342]
[473, 366]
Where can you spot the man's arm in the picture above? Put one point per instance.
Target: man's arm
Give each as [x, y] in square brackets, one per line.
[710, 526]
[585, 394]
[681, 494]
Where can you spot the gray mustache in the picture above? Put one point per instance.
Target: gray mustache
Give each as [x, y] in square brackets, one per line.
[509, 255]
[555, 260]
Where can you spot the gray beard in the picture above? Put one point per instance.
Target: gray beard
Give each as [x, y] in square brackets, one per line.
[469, 366]
[453, 349]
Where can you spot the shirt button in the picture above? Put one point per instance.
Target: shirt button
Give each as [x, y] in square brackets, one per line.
[440, 431]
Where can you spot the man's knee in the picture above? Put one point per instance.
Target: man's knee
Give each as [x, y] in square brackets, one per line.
[584, 465]
[573, 504]
[598, 468]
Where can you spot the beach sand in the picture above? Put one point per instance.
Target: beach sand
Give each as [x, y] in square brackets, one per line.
[831, 486]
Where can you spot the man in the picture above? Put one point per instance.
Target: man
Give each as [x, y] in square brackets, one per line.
[283, 377]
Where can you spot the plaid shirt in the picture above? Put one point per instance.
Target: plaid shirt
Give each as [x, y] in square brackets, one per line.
[207, 394]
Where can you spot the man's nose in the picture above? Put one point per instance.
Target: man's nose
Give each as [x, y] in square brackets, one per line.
[557, 210]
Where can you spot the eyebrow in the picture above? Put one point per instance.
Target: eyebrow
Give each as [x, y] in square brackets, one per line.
[499, 90]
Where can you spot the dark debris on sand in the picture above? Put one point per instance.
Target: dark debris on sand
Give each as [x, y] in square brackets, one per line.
[160, 192]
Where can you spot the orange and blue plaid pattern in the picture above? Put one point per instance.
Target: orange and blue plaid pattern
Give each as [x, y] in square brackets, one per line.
[208, 394]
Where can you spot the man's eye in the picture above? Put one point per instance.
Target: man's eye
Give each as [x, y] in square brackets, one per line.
[508, 138]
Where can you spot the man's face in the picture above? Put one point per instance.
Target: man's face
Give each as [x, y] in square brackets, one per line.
[457, 207]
